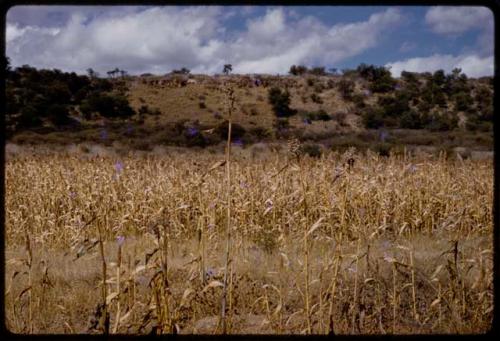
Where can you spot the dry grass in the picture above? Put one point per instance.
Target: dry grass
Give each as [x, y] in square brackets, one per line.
[392, 245]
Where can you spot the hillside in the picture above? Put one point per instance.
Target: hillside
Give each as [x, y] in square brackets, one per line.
[361, 108]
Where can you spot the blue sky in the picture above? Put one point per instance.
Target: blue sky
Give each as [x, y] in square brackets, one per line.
[254, 39]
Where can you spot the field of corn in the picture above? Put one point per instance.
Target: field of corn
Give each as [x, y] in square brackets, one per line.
[349, 243]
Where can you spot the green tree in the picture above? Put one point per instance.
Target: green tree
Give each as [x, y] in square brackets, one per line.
[228, 68]
[318, 71]
[298, 70]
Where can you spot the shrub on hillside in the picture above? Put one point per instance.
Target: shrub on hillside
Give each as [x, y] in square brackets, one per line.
[107, 106]
[237, 131]
[383, 84]
[280, 101]
[373, 118]
[442, 122]
[28, 118]
[380, 77]
[259, 133]
[410, 120]
[311, 149]
[340, 117]
[463, 101]
[59, 115]
[316, 99]
[346, 88]
[394, 105]
[474, 123]
[358, 100]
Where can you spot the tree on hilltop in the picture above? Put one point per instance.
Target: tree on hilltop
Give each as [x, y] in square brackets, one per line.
[227, 69]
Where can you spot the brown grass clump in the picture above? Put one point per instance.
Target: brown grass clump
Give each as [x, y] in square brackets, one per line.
[382, 245]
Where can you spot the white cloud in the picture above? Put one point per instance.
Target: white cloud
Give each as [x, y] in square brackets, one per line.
[472, 65]
[457, 19]
[305, 41]
[134, 42]
[163, 38]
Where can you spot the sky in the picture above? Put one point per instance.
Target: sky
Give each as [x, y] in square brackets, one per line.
[253, 39]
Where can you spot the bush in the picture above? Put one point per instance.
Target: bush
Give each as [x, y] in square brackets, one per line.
[197, 140]
[313, 150]
[316, 99]
[59, 115]
[394, 106]
[380, 77]
[259, 133]
[280, 101]
[281, 125]
[443, 122]
[462, 101]
[475, 124]
[202, 105]
[358, 100]
[318, 88]
[410, 120]
[346, 88]
[143, 110]
[409, 77]
[373, 118]
[237, 131]
[29, 118]
[484, 98]
[341, 118]
[107, 106]
[320, 115]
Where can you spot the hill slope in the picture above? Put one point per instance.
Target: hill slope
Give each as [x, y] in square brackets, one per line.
[189, 109]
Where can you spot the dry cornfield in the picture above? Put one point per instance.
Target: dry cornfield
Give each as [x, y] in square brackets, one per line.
[377, 246]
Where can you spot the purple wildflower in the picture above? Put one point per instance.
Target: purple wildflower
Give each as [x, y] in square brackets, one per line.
[118, 167]
[192, 131]
[210, 272]
[238, 142]
[388, 258]
[243, 184]
[104, 134]
[383, 135]
[72, 195]
[307, 121]
[120, 240]
[386, 244]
